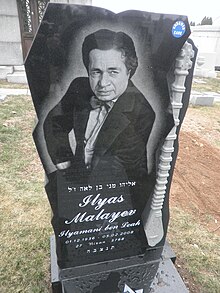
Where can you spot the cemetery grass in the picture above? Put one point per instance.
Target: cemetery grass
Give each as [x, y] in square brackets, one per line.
[8, 85]
[202, 84]
[25, 212]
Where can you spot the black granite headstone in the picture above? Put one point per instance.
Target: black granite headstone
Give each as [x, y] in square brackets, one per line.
[110, 92]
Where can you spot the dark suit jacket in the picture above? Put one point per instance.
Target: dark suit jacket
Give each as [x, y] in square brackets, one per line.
[120, 148]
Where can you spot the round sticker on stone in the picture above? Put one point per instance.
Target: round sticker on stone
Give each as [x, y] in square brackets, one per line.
[178, 29]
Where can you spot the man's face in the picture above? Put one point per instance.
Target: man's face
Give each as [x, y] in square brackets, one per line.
[108, 75]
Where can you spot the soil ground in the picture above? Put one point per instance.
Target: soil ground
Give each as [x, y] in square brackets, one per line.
[196, 181]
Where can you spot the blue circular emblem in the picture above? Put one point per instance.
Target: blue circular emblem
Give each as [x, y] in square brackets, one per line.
[178, 29]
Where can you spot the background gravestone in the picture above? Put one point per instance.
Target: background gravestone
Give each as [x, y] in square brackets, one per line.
[110, 220]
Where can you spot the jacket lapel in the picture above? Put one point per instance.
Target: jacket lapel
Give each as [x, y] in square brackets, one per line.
[80, 122]
[115, 123]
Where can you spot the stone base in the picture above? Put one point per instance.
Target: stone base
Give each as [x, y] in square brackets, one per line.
[205, 73]
[167, 279]
[206, 64]
[202, 99]
[133, 274]
[5, 70]
[17, 77]
[13, 74]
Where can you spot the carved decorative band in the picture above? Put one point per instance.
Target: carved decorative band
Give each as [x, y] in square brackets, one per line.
[153, 224]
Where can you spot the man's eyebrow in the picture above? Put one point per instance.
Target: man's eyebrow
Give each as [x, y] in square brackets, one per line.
[109, 68]
[114, 68]
[95, 69]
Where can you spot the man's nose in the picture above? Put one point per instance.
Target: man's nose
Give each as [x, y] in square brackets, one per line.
[104, 80]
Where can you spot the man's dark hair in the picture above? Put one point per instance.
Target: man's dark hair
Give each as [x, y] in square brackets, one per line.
[105, 40]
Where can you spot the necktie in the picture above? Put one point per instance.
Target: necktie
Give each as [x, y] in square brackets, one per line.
[96, 119]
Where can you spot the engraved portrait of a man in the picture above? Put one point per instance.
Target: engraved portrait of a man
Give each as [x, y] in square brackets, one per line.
[111, 119]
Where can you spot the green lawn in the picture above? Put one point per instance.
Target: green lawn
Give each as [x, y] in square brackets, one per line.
[197, 249]
[8, 85]
[25, 212]
[208, 84]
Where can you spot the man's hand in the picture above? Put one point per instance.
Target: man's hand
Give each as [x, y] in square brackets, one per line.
[63, 165]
